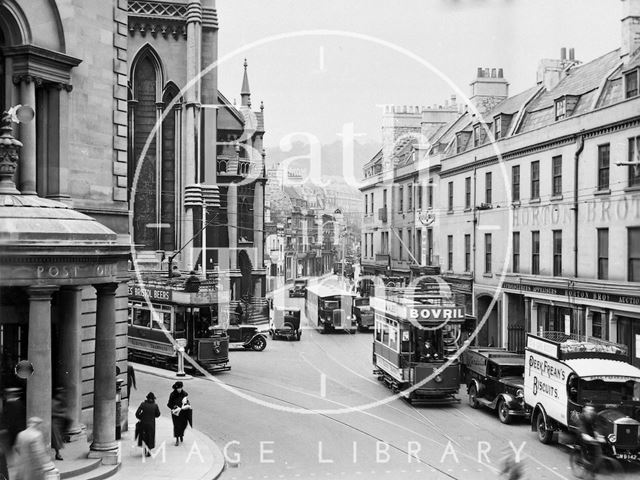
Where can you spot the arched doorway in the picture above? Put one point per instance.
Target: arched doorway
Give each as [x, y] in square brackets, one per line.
[245, 266]
[489, 335]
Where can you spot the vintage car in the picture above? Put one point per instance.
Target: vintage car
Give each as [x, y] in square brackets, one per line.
[362, 313]
[299, 288]
[495, 379]
[284, 322]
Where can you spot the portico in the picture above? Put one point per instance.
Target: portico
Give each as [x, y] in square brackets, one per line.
[54, 261]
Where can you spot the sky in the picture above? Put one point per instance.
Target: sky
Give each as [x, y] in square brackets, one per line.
[320, 65]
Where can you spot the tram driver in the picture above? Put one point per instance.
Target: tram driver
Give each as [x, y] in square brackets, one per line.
[428, 352]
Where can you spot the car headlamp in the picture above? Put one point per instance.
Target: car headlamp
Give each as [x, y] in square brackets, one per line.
[520, 393]
[612, 438]
[438, 379]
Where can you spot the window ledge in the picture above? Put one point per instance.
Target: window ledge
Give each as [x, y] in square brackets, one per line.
[487, 275]
[556, 198]
[449, 212]
[634, 188]
[603, 192]
[535, 200]
[467, 209]
[515, 203]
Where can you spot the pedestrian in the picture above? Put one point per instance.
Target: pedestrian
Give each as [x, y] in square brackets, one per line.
[181, 413]
[33, 461]
[146, 414]
[15, 413]
[58, 422]
[131, 379]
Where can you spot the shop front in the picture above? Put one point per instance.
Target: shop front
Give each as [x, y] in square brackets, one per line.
[603, 310]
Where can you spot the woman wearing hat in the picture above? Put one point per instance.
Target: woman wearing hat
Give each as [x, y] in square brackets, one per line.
[147, 413]
[180, 411]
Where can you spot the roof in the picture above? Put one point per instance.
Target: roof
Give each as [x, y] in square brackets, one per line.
[583, 81]
[603, 369]
[512, 105]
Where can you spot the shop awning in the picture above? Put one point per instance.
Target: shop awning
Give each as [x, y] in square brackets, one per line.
[604, 369]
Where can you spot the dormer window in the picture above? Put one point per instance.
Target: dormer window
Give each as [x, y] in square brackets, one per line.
[561, 108]
[478, 135]
[631, 83]
[497, 127]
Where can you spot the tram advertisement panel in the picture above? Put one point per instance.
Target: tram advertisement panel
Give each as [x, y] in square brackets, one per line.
[437, 313]
[545, 383]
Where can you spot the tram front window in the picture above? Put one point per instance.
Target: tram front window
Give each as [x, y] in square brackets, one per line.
[204, 319]
[428, 347]
[180, 325]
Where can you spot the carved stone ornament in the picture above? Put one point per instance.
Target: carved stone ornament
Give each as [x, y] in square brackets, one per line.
[9, 148]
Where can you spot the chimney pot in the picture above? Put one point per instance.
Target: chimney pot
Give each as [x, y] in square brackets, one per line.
[480, 72]
[563, 53]
[500, 73]
[572, 54]
[487, 72]
[493, 73]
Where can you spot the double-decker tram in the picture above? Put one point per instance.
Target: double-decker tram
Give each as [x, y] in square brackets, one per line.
[166, 315]
[417, 335]
[329, 308]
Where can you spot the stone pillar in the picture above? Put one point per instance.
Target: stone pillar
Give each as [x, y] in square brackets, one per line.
[70, 353]
[104, 443]
[534, 318]
[39, 354]
[232, 222]
[527, 316]
[27, 184]
[258, 224]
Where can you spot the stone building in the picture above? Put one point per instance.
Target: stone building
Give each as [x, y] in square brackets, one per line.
[533, 202]
[64, 224]
[193, 157]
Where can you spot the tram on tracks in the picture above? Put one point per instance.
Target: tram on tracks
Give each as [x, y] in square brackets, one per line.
[168, 314]
[417, 333]
[329, 308]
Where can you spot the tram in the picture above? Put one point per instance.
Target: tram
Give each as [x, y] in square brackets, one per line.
[164, 315]
[329, 308]
[416, 334]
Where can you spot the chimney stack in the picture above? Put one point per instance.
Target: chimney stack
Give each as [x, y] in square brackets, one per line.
[630, 28]
[572, 54]
[563, 53]
[488, 89]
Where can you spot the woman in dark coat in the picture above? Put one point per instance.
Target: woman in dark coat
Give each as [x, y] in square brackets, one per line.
[147, 413]
[58, 421]
[180, 411]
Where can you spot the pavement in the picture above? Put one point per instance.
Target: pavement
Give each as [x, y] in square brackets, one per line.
[198, 458]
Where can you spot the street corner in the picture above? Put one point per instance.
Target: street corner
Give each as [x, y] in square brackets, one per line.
[159, 372]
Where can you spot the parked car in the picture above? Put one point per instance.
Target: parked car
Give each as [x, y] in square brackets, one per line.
[495, 379]
[299, 288]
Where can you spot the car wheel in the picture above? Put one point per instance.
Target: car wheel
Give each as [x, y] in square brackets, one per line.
[503, 412]
[473, 397]
[544, 435]
[258, 344]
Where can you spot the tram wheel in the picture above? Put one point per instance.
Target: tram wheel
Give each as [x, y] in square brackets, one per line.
[473, 397]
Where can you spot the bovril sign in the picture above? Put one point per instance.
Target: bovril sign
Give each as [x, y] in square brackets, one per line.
[436, 313]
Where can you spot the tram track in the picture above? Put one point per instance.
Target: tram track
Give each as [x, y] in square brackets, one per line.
[351, 426]
[429, 423]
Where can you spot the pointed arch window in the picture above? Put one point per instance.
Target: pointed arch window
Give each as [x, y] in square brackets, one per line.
[154, 155]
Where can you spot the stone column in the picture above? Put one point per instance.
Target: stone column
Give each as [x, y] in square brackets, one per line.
[104, 443]
[27, 184]
[527, 316]
[70, 353]
[39, 354]
[232, 222]
[258, 224]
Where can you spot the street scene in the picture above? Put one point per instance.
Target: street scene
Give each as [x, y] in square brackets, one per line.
[249, 240]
